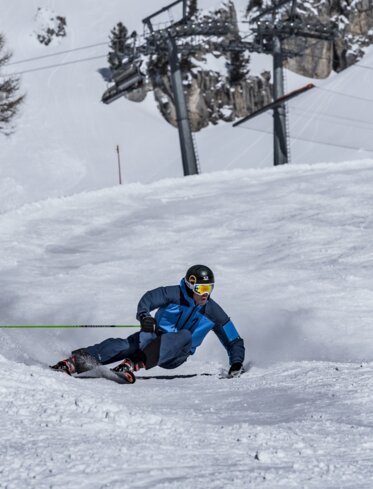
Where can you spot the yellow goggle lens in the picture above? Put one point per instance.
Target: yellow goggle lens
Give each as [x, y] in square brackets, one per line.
[201, 289]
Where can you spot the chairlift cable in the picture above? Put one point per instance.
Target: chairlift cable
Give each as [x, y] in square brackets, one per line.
[269, 132]
[59, 53]
[41, 68]
[345, 94]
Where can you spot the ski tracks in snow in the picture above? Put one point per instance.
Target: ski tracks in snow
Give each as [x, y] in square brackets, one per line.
[298, 424]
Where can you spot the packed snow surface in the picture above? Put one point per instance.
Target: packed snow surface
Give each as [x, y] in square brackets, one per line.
[291, 249]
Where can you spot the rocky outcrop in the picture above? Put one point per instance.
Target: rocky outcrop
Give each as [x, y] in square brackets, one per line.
[212, 96]
[49, 26]
[211, 99]
[233, 92]
[353, 20]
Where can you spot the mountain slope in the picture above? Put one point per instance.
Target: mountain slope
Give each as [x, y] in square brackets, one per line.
[66, 138]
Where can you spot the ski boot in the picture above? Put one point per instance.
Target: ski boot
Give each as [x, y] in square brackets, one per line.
[128, 364]
[79, 362]
[67, 366]
[127, 368]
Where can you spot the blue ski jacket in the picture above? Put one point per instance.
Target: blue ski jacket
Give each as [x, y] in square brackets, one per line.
[177, 310]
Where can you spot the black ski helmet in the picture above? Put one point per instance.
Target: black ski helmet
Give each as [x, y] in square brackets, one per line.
[199, 274]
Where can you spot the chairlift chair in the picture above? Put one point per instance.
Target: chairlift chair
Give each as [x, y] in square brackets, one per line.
[127, 77]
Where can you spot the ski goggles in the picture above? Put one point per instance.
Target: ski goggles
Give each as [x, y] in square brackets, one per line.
[201, 289]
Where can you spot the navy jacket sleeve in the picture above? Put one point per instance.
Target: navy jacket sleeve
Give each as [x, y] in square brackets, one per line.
[227, 333]
[156, 298]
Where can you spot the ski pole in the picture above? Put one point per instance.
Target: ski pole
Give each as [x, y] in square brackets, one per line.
[65, 326]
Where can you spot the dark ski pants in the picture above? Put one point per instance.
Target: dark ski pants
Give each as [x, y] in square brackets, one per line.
[169, 350]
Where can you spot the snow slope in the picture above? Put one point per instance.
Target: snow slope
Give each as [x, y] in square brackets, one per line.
[290, 248]
[66, 138]
[291, 251]
[294, 425]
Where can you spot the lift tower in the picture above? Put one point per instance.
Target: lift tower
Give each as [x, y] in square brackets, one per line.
[270, 32]
[187, 37]
[171, 41]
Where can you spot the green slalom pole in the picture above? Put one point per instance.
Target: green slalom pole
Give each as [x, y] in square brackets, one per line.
[65, 326]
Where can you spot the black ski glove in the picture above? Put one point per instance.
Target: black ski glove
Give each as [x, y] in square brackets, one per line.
[148, 324]
[236, 369]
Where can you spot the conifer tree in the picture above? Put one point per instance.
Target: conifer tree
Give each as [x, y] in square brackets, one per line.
[118, 42]
[238, 67]
[192, 8]
[10, 97]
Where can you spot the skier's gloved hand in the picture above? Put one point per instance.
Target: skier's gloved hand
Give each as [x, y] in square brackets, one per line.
[148, 324]
[236, 369]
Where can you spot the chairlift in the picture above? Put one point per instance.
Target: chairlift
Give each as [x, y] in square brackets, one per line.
[126, 77]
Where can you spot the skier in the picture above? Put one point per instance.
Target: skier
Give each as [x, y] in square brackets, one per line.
[186, 313]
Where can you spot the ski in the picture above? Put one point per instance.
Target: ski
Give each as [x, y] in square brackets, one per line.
[171, 377]
[99, 371]
[102, 372]
[83, 365]
[222, 374]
